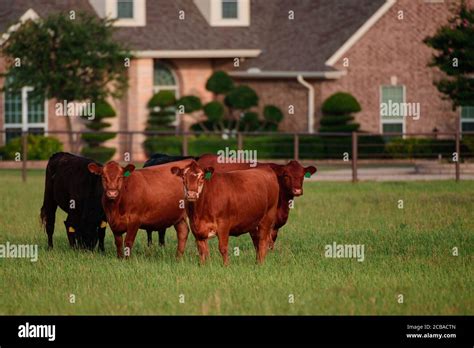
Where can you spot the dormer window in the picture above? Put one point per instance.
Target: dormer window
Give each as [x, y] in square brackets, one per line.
[230, 9]
[127, 13]
[125, 9]
[225, 13]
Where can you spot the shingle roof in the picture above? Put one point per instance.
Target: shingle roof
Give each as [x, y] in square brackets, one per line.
[320, 27]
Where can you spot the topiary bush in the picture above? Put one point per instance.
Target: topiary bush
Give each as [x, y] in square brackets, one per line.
[219, 83]
[40, 147]
[337, 113]
[94, 148]
[162, 114]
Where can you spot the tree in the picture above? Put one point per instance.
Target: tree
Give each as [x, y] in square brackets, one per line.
[454, 45]
[337, 113]
[66, 58]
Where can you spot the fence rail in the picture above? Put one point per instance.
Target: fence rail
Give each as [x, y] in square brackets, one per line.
[353, 150]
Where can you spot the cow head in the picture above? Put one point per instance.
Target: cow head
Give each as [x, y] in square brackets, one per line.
[193, 177]
[112, 177]
[291, 176]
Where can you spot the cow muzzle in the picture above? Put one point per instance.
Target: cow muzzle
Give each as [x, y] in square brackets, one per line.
[297, 192]
[112, 194]
[192, 196]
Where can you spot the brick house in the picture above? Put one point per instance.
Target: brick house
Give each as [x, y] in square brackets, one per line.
[295, 54]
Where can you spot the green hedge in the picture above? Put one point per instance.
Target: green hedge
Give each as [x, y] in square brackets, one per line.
[40, 147]
[426, 148]
[269, 147]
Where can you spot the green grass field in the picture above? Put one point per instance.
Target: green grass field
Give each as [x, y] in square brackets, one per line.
[407, 251]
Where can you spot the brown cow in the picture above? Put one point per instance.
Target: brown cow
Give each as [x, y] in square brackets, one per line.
[290, 180]
[149, 198]
[231, 203]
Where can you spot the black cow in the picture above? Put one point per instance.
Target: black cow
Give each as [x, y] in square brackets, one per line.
[71, 186]
[155, 160]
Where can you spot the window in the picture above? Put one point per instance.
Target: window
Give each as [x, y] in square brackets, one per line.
[124, 8]
[226, 13]
[230, 9]
[24, 111]
[391, 95]
[127, 13]
[164, 78]
[467, 119]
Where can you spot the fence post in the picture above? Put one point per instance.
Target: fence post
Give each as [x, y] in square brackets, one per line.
[296, 147]
[354, 157]
[77, 144]
[239, 141]
[458, 153]
[185, 144]
[24, 156]
[130, 145]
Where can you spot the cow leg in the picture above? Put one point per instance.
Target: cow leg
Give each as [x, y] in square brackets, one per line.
[50, 218]
[161, 235]
[182, 232]
[254, 235]
[149, 237]
[101, 233]
[272, 239]
[203, 249]
[119, 245]
[264, 235]
[71, 223]
[130, 239]
[224, 246]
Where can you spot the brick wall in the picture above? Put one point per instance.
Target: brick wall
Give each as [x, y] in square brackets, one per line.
[393, 49]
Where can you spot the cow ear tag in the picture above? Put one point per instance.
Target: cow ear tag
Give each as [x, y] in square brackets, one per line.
[208, 175]
[307, 175]
[126, 174]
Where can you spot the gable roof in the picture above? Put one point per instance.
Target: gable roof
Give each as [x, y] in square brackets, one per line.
[319, 29]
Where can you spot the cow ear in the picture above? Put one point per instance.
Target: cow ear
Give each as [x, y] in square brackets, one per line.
[177, 171]
[128, 169]
[311, 170]
[94, 168]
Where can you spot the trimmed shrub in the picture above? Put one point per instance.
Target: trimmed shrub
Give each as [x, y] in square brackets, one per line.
[242, 98]
[189, 104]
[337, 113]
[40, 147]
[214, 111]
[219, 83]
[341, 104]
[94, 148]
[99, 153]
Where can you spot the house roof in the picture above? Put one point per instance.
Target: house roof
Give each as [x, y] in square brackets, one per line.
[319, 29]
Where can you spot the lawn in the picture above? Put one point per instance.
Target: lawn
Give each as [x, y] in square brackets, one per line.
[408, 251]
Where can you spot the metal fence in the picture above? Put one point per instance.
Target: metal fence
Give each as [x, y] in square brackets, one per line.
[448, 153]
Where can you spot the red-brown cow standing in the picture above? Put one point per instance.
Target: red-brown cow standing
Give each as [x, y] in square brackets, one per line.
[229, 204]
[290, 180]
[150, 198]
